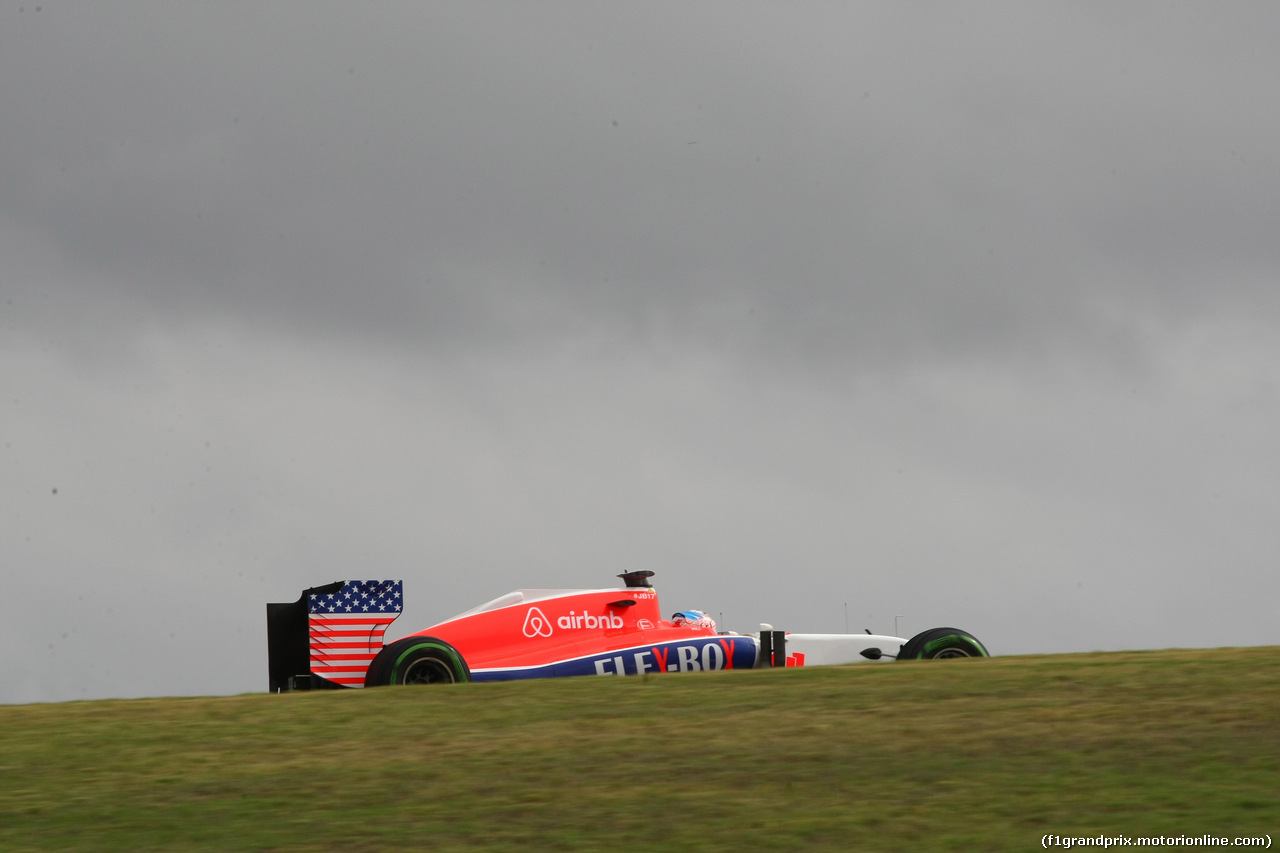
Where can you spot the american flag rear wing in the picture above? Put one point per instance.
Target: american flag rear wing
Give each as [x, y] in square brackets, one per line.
[329, 636]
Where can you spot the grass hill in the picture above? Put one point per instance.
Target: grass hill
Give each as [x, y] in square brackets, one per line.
[936, 755]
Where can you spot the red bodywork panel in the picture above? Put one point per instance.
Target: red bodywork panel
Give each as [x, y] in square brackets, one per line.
[540, 627]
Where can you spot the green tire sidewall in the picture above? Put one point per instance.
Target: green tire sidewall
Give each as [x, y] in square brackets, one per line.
[951, 640]
[460, 672]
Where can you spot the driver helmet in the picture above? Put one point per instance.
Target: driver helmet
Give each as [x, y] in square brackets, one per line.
[693, 619]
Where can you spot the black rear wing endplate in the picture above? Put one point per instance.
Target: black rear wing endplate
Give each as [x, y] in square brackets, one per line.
[289, 644]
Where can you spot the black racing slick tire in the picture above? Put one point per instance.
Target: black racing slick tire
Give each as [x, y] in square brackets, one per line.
[942, 643]
[417, 660]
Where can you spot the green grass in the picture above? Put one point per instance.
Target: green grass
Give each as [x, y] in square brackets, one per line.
[942, 755]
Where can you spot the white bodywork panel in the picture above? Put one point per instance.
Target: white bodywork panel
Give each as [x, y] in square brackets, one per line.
[828, 649]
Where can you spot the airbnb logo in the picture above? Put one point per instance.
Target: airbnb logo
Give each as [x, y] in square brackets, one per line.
[578, 621]
[535, 624]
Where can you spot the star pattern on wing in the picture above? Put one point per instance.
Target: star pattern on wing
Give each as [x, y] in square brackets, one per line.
[360, 597]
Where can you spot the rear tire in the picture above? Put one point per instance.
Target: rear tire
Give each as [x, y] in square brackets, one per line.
[942, 643]
[417, 660]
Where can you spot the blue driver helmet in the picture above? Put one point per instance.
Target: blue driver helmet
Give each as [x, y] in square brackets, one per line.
[693, 619]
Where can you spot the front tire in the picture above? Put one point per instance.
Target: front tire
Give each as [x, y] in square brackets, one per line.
[939, 643]
[417, 660]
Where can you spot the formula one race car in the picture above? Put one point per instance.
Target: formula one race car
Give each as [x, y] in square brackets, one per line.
[332, 637]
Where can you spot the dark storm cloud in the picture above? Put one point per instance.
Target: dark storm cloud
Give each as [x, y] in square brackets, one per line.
[873, 180]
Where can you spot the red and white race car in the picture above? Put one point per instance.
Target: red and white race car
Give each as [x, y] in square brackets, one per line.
[333, 637]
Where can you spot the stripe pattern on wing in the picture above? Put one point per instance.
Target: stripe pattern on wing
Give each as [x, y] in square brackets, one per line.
[346, 628]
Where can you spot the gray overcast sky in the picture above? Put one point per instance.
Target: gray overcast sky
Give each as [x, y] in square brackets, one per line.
[961, 314]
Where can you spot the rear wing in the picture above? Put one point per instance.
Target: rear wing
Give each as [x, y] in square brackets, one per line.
[329, 636]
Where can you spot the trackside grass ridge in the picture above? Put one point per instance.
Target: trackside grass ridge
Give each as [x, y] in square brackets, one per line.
[936, 755]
